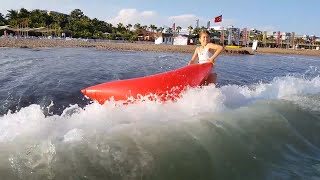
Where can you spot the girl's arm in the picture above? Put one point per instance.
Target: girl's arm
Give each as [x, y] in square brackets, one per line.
[218, 49]
[194, 57]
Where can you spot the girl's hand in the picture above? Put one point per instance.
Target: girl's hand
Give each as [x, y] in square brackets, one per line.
[218, 49]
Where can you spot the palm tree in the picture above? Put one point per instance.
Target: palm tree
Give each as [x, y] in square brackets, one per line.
[196, 31]
[137, 26]
[190, 28]
[120, 27]
[169, 30]
[300, 41]
[211, 30]
[12, 15]
[178, 28]
[258, 37]
[160, 29]
[23, 13]
[128, 27]
[271, 39]
[152, 27]
[144, 27]
[2, 19]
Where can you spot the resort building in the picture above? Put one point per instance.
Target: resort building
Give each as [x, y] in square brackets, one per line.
[181, 40]
[163, 38]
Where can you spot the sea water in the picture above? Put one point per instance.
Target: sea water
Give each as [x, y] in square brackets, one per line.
[261, 120]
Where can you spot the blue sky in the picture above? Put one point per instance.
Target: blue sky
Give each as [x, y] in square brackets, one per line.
[271, 15]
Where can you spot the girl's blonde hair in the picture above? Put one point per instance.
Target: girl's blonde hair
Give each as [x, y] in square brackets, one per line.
[204, 32]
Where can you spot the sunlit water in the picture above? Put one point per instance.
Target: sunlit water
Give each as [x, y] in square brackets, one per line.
[261, 121]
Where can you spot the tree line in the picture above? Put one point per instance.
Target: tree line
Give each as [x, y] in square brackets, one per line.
[78, 25]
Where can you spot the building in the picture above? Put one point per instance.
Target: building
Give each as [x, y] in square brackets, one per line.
[181, 40]
[164, 38]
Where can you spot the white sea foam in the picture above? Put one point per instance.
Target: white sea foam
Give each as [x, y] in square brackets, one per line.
[74, 122]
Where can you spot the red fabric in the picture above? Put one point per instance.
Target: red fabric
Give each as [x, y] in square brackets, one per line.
[218, 19]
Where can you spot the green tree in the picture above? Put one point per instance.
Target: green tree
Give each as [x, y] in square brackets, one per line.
[128, 27]
[178, 28]
[190, 28]
[57, 29]
[169, 30]
[214, 32]
[23, 13]
[300, 41]
[101, 26]
[80, 25]
[2, 20]
[160, 29]
[120, 27]
[137, 26]
[12, 17]
[60, 19]
[38, 18]
[76, 14]
[271, 39]
[76, 23]
[196, 31]
[258, 37]
[144, 27]
[152, 27]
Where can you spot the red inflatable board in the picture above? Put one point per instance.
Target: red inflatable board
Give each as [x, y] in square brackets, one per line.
[164, 86]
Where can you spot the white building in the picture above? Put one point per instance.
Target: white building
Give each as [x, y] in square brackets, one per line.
[164, 38]
[180, 40]
[184, 32]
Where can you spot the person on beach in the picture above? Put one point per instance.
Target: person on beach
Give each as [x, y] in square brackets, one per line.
[207, 52]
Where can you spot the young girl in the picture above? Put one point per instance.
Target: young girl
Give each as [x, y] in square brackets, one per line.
[207, 52]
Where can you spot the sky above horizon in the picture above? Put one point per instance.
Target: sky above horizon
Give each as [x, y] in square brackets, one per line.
[272, 15]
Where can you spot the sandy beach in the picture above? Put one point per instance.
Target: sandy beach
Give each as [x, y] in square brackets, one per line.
[40, 43]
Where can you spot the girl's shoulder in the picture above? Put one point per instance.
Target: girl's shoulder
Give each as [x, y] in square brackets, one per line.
[212, 45]
[209, 44]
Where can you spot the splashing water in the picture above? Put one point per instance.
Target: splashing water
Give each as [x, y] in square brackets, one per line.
[259, 130]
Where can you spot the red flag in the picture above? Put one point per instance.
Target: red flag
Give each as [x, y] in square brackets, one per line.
[218, 19]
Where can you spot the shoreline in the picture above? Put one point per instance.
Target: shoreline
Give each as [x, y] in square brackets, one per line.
[50, 43]
[304, 52]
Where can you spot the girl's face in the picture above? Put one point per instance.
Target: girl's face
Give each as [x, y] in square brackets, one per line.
[204, 39]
